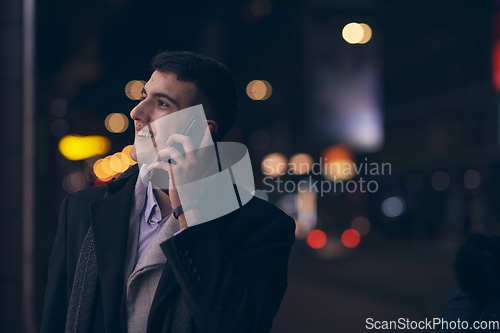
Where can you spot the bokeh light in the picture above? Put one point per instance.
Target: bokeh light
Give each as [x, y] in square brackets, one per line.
[133, 89]
[353, 33]
[116, 122]
[100, 173]
[337, 163]
[316, 239]
[119, 162]
[472, 179]
[440, 181]
[393, 206]
[126, 151]
[361, 225]
[350, 238]
[367, 33]
[496, 66]
[59, 107]
[274, 165]
[259, 90]
[75, 182]
[77, 147]
[106, 166]
[112, 166]
[300, 163]
[306, 206]
[287, 203]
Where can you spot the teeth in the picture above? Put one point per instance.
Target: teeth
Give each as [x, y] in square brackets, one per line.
[144, 134]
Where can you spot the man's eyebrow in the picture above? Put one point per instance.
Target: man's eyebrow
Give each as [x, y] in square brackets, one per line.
[161, 95]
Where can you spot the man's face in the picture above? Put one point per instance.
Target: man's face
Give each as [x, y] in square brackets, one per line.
[162, 95]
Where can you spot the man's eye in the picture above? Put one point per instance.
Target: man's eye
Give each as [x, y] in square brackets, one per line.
[162, 103]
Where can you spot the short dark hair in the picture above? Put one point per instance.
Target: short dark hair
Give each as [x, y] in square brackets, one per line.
[216, 87]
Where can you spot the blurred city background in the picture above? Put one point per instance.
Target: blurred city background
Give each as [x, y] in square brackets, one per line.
[408, 85]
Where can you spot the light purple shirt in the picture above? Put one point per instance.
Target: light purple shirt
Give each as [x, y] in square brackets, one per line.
[150, 225]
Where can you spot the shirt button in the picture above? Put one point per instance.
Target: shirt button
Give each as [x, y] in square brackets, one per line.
[187, 261]
[183, 253]
[157, 209]
[196, 277]
[191, 269]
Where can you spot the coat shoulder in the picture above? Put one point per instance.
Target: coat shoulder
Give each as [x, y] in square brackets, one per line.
[257, 220]
[86, 195]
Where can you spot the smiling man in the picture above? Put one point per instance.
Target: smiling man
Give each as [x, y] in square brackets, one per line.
[129, 257]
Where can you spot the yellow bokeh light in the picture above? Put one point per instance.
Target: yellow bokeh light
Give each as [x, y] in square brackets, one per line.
[116, 122]
[259, 90]
[99, 171]
[133, 89]
[126, 151]
[274, 165]
[353, 33]
[300, 163]
[113, 165]
[367, 33]
[77, 147]
[106, 166]
[118, 163]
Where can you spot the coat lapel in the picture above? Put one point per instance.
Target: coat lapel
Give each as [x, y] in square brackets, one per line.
[110, 221]
[167, 284]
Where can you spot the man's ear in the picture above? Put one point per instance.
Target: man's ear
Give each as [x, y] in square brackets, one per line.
[214, 128]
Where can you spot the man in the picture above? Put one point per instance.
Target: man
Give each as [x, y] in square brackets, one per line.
[110, 273]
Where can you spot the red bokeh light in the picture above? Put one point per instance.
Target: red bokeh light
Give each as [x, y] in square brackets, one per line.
[495, 57]
[496, 66]
[350, 238]
[316, 239]
[99, 182]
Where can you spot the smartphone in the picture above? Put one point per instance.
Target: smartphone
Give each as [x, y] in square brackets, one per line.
[195, 129]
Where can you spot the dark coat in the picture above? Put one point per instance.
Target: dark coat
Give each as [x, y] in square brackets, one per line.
[476, 294]
[225, 275]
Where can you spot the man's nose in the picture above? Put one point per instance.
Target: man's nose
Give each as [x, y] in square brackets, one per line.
[140, 112]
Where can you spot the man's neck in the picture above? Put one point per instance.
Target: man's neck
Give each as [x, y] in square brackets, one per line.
[163, 201]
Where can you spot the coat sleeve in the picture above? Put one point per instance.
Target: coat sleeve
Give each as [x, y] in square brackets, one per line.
[55, 299]
[237, 292]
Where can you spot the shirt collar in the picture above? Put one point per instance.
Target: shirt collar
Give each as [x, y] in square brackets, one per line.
[152, 213]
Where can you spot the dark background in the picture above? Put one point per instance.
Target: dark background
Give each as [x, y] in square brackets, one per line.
[439, 108]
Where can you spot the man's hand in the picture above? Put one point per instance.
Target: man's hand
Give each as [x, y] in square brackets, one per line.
[187, 170]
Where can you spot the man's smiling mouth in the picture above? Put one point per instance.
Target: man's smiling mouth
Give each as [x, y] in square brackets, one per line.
[144, 134]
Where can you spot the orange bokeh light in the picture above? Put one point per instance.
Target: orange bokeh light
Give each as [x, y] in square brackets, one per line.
[338, 162]
[316, 239]
[337, 152]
